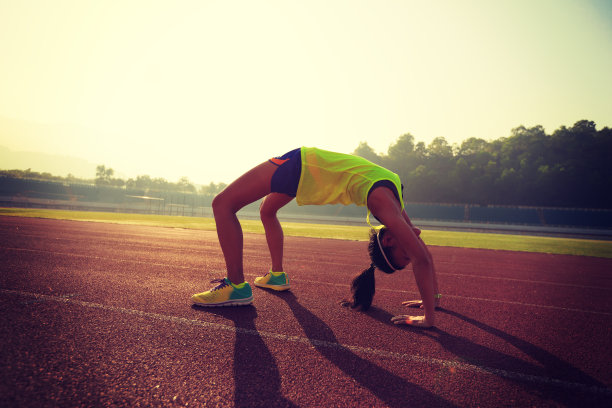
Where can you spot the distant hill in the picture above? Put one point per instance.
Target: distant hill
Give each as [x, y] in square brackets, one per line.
[46, 163]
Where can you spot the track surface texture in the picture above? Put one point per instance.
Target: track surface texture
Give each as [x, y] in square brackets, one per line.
[99, 315]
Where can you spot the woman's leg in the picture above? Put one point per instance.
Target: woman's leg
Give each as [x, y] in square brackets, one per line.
[274, 232]
[248, 188]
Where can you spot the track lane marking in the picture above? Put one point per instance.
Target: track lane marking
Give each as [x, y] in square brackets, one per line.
[570, 285]
[509, 302]
[321, 343]
[357, 267]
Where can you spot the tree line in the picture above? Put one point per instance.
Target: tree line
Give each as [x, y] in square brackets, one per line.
[104, 177]
[572, 167]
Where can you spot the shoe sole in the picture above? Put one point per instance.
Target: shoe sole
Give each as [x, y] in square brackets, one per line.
[233, 302]
[273, 287]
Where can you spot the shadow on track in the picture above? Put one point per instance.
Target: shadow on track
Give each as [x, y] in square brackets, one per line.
[256, 376]
[578, 388]
[393, 390]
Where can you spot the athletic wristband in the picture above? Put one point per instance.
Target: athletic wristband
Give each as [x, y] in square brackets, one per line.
[437, 296]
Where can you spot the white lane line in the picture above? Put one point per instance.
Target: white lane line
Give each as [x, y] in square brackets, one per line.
[100, 258]
[508, 302]
[417, 295]
[531, 282]
[357, 268]
[321, 343]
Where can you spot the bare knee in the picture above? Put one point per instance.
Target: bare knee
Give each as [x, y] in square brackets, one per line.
[221, 205]
[267, 212]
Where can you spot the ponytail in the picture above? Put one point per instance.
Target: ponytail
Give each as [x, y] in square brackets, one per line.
[363, 285]
[363, 288]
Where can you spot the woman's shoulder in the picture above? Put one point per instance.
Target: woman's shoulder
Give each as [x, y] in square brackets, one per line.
[382, 199]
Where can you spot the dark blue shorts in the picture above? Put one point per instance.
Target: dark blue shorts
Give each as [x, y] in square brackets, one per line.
[286, 178]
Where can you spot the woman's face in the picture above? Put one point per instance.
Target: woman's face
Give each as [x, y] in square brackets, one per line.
[398, 254]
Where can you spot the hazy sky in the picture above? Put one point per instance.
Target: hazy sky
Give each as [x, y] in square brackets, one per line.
[208, 89]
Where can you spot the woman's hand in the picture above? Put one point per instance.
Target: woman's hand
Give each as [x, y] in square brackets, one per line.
[418, 321]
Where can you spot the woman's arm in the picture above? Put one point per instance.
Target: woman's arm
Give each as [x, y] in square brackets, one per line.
[385, 207]
[417, 231]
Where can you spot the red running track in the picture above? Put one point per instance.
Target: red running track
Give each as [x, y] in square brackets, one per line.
[99, 315]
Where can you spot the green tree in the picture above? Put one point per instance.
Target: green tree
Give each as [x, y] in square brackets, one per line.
[365, 151]
[185, 185]
[402, 148]
[212, 189]
[439, 147]
[104, 175]
[472, 146]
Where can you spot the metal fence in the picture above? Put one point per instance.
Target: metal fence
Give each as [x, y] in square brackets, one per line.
[46, 194]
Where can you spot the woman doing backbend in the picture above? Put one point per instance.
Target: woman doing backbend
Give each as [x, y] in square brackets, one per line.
[317, 177]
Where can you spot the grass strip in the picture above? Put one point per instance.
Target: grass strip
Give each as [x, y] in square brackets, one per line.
[526, 243]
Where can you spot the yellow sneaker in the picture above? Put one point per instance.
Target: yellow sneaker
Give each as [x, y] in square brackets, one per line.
[225, 294]
[274, 281]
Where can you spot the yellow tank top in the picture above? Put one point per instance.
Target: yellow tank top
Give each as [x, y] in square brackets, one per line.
[337, 178]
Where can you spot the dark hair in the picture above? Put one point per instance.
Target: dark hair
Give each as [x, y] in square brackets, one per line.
[363, 285]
